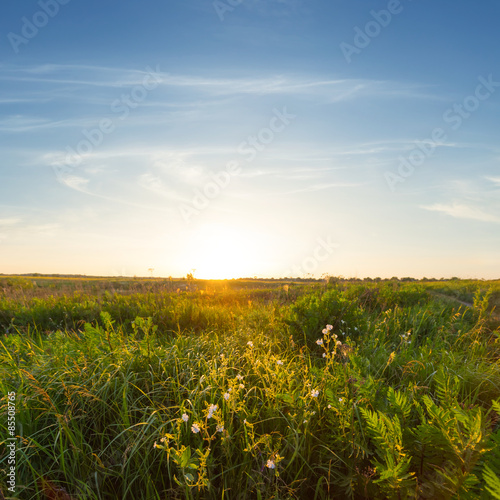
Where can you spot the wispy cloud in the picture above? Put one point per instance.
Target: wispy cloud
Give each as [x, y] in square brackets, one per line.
[495, 180]
[114, 77]
[291, 174]
[10, 221]
[24, 123]
[322, 187]
[462, 211]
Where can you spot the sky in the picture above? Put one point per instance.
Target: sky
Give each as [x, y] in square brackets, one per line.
[242, 138]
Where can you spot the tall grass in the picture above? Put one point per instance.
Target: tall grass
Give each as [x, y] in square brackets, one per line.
[248, 394]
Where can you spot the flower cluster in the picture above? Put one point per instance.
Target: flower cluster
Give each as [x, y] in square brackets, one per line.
[329, 338]
[211, 410]
[273, 461]
[406, 337]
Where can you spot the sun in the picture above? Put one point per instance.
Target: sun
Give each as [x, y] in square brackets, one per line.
[224, 252]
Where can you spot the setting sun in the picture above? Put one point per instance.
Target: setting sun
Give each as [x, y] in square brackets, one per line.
[223, 252]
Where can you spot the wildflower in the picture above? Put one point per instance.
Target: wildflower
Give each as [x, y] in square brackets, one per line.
[279, 362]
[185, 417]
[239, 377]
[340, 400]
[195, 428]
[226, 396]
[329, 407]
[324, 354]
[245, 421]
[305, 421]
[241, 386]
[329, 327]
[220, 428]
[315, 393]
[250, 343]
[338, 342]
[270, 464]
[155, 445]
[319, 341]
[324, 331]
[211, 410]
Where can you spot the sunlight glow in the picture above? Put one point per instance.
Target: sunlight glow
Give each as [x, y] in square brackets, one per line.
[223, 252]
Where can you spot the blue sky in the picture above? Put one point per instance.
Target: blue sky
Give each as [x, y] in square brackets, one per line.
[253, 138]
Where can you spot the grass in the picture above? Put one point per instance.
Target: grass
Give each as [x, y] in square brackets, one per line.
[240, 390]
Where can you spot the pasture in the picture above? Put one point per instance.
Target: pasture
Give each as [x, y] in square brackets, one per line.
[185, 389]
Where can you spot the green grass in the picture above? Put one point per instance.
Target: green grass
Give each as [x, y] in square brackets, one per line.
[399, 400]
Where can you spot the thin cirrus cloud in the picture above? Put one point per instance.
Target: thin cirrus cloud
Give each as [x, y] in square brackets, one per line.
[101, 76]
[495, 180]
[462, 211]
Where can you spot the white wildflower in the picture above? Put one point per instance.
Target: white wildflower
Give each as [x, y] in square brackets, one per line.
[211, 410]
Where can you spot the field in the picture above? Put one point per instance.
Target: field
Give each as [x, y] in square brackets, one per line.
[165, 389]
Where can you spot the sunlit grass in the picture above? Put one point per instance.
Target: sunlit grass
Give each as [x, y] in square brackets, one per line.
[339, 392]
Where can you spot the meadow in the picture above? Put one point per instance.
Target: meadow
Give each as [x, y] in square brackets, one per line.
[186, 389]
